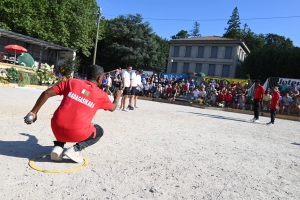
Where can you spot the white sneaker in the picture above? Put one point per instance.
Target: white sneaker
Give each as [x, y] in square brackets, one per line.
[125, 110]
[256, 120]
[74, 155]
[136, 106]
[270, 124]
[56, 153]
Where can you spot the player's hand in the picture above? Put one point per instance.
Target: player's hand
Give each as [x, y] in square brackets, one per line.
[118, 94]
[30, 118]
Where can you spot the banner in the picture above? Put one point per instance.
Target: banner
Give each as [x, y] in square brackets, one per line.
[290, 81]
[222, 80]
[173, 76]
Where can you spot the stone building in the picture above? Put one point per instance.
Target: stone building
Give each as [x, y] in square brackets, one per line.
[213, 55]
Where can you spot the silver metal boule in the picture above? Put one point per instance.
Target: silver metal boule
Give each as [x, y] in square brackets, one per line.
[29, 118]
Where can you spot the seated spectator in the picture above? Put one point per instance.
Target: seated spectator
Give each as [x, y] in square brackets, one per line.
[228, 99]
[286, 103]
[196, 93]
[297, 107]
[152, 90]
[168, 91]
[266, 100]
[159, 91]
[217, 87]
[146, 89]
[213, 98]
[241, 102]
[283, 88]
[235, 100]
[202, 94]
[294, 91]
[221, 96]
[233, 84]
[192, 85]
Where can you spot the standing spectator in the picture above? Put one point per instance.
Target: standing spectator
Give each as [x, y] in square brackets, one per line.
[133, 85]
[126, 86]
[257, 99]
[104, 84]
[286, 103]
[138, 88]
[274, 105]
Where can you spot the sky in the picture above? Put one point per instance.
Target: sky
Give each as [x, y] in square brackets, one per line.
[168, 17]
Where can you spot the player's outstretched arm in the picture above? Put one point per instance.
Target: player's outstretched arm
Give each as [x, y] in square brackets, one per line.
[117, 97]
[41, 100]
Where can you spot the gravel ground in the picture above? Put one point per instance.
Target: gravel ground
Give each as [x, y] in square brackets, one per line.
[158, 151]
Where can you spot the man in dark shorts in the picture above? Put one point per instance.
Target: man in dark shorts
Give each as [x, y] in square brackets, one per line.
[126, 86]
[257, 99]
[71, 122]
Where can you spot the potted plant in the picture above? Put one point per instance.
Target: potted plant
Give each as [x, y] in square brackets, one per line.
[13, 75]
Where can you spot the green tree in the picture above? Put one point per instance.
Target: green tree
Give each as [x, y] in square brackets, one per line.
[234, 29]
[277, 58]
[128, 41]
[252, 40]
[195, 32]
[278, 42]
[181, 34]
[69, 23]
[163, 53]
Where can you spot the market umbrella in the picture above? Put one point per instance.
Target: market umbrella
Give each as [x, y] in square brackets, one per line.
[15, 48]
[201, 74]
[25, 59]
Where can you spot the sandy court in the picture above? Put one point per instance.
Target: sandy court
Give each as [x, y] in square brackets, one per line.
[158, 151]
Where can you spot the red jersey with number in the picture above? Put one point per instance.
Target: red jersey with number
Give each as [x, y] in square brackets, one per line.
[258, 92]
[275, 100]
[71, 121]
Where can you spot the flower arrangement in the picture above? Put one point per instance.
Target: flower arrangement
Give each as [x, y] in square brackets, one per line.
[3, 76]
[198, 101]
[46, 75]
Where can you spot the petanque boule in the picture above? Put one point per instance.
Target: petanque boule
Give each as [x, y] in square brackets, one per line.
[29, 118]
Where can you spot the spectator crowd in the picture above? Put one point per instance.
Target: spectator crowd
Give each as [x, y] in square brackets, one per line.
[206, 92]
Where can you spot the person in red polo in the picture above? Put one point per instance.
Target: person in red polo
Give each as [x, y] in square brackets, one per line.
[71, 122]
[257, 99]
[274, 105]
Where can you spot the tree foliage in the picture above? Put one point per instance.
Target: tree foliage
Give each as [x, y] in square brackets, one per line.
[130, 41]
[181, 34]
[234, 29]
[195, 32]
[71, 23]
[277, 58]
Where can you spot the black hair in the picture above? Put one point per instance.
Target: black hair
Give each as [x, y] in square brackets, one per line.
[93, 72]
[257, 81]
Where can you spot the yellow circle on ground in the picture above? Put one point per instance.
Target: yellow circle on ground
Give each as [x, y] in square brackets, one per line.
[32, 165]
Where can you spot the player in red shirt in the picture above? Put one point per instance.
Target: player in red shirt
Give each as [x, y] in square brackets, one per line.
[71, 121]
[274, 105]
[257, 99]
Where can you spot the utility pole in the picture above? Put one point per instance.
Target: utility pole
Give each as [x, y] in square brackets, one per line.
[96, 41]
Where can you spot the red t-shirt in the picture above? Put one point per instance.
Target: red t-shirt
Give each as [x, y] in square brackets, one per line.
[169, 90]
[228, 97]
[221, 97]
[258, 92]
[71, 121]
[274, 100]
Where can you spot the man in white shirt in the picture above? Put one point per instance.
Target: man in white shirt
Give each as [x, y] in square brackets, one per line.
[126, 86]
[133, 85]
[139, 87]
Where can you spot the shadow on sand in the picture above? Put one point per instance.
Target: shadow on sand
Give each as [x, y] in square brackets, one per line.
[24, 149]
[294, 143]
[220, 117]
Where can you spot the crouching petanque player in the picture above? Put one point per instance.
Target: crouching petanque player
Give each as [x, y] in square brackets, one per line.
[71, 121]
